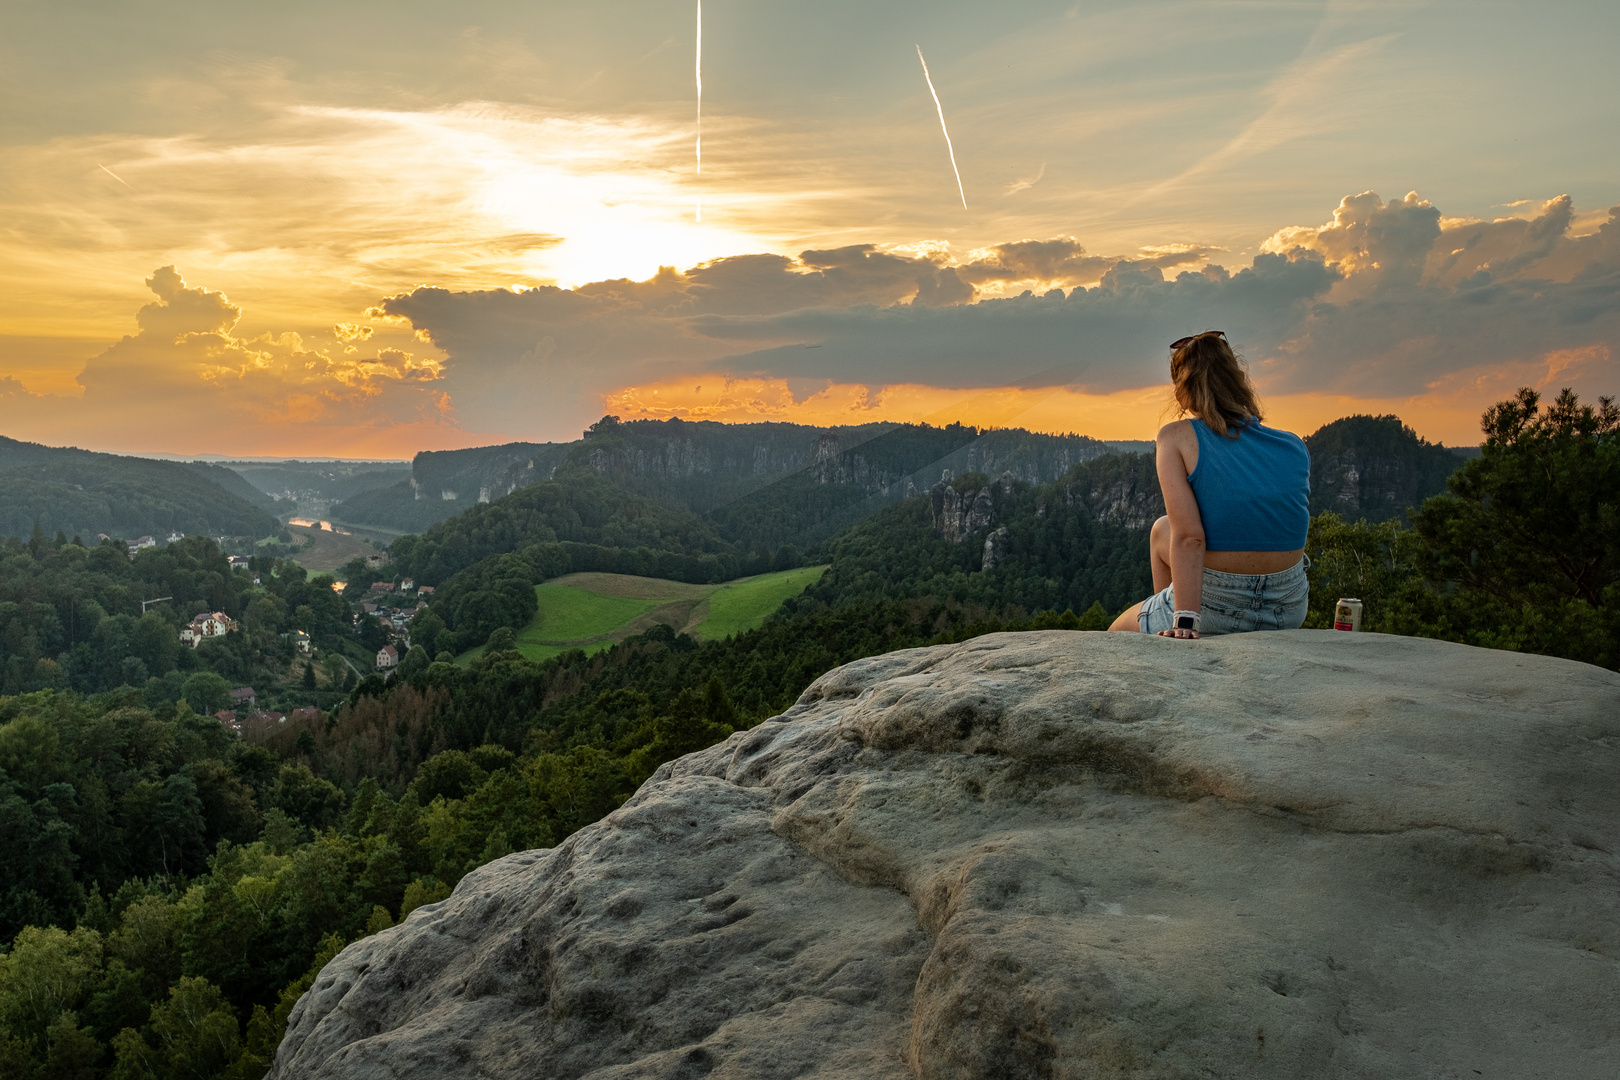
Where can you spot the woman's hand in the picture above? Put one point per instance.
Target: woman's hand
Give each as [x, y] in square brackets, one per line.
[1179, 633]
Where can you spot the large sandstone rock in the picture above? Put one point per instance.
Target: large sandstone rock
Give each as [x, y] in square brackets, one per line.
[1061, 855]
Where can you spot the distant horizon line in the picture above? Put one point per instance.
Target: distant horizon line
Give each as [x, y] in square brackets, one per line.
[270, 459]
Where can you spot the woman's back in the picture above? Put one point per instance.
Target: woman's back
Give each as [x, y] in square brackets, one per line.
[1253, 491]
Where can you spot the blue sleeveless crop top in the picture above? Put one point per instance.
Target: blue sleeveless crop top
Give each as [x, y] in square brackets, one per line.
[1253, 491]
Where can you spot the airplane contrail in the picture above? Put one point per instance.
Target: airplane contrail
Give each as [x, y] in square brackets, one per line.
[948, 148]
[700, 102]
[112, 174]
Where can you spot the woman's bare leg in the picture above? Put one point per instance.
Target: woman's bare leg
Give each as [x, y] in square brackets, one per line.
[1127, 622]
[1159, 553]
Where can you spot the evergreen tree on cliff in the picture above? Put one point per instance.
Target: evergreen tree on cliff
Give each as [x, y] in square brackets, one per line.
[1530, 532]
[1520, 554]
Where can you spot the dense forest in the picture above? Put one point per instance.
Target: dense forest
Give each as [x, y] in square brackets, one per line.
[1069, 544]
[579, 508]
[72, 617]
[78, 492]
[173, 887]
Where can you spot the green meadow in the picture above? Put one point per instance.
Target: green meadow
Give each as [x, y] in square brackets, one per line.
[593, 611]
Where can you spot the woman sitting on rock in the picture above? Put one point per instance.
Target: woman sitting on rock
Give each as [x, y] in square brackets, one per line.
[1229, 555]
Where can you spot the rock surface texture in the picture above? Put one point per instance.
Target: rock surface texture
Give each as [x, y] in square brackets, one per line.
[1066, 855]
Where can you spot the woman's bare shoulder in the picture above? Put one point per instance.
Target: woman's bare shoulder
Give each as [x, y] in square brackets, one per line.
[1178, 442]
[1178, 433]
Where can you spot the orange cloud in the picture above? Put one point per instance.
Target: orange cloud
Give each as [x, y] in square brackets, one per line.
[185, 383]
[1447, 411]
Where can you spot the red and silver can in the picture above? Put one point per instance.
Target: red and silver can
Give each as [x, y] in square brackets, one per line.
[1347, 614]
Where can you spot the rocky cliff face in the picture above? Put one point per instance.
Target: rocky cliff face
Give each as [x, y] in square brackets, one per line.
[1126, 493]
[878, 457]
[1303, 854]
[484, 473]
[960, 513]
[1375, 467]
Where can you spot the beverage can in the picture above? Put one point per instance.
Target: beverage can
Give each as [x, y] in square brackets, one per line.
[1347, 614]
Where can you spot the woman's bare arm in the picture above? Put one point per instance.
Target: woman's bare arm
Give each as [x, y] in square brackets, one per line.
[1177, 449]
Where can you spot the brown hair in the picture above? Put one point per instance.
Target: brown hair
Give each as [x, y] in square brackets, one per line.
[1211, 384]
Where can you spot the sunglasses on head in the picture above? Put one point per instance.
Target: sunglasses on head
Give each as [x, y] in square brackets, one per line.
[1178, 343]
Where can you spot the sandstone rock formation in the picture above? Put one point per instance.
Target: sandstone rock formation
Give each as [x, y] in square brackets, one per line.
[959, 514]
[1063, 855]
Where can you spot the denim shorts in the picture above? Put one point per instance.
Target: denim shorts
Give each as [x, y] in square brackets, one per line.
[1238, 603]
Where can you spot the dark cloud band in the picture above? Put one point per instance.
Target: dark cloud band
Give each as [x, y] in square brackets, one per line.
[1382, 301]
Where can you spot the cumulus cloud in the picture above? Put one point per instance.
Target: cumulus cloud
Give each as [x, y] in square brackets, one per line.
[187, 382]
[1385, 299]
[1384, 243]
[179, 311]
[1425, 300]
[12, 389]
[1062, 262]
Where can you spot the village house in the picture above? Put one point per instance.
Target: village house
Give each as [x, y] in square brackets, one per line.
[424, 590]
[382, 586]
[243, 697]
[175, 538]
[208, 625]
[300, 641]
[387, 658]
[227, 720]
[407, 585]
[238, 562]
[141, 544]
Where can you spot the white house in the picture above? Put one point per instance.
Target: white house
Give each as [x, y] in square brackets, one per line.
[209, 625]
[387, 658]
[300, 641]
[175, 538]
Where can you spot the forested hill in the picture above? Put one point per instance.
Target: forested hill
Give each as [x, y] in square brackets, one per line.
[992, 548]
[683, 494]
[689, 490]
[705, 465]
[235, 483]
[1375, 468]
[579, 507]
[82, 493]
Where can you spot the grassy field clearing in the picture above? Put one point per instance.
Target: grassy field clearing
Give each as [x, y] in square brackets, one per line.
[742, 605]
[593, 611]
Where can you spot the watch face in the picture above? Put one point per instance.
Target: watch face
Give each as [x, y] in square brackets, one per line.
[1184, 623]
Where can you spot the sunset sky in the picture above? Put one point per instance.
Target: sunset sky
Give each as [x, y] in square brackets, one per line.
[367, 229]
